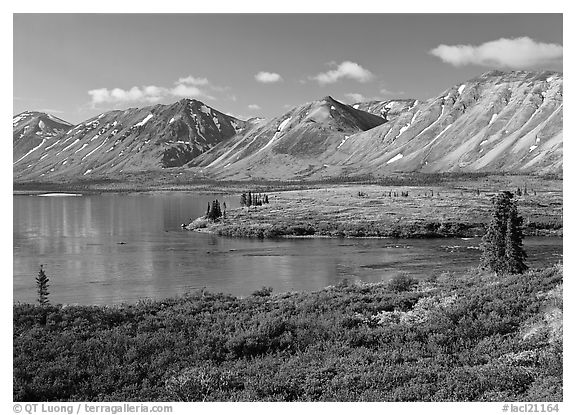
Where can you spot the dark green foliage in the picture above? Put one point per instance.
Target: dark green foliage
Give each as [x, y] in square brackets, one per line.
[461, 338]
[502, 249]
[263, 292]
[402, 282]
[253, 199]
[214, 211]
[42, 287]
[419, 229]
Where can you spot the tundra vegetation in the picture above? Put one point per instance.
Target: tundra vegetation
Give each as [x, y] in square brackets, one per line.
[477, 336]
[372, 210]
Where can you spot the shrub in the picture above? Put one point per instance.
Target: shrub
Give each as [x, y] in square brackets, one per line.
[263, 292]
[402, 282]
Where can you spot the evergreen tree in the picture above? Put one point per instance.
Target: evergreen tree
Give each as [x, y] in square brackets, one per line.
[215, 211]
[501, 246]
[208, 210]
[243, 201]
[249, 201]
[514, 252]
[42, 287]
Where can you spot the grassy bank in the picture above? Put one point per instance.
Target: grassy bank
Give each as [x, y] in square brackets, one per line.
[453, 338]
[460, 209]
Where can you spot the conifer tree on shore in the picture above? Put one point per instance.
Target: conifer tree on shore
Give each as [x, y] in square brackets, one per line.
[42, 287]
[501, 246]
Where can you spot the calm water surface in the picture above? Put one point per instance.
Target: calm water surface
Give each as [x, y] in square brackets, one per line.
[113, 248]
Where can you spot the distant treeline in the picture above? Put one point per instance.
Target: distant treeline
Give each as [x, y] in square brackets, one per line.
[253, 199]
[162, 177]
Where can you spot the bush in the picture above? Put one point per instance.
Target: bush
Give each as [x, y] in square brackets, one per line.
[402, 282]
[465, 337]
[263, 292]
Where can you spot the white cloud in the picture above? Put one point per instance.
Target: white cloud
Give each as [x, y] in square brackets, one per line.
[346, 69]
[254, 107]
[267, 77]
[191, 80]
[520, 53]
[385, 91]
[184, 87]
[355, 97]
[186, 91]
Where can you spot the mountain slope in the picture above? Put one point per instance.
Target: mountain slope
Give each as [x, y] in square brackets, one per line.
[497, 122]
[292, 144]
[506, 122]
[131, 140]
[389, 110]
[31, 129]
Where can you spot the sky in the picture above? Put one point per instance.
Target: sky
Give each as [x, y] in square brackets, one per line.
[76, 66]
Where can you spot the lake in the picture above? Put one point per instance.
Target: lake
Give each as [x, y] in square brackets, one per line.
[114, 248]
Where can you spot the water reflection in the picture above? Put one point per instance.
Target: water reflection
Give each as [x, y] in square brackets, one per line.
[110, 248]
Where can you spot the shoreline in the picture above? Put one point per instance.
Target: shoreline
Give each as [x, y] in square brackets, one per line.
[270, 233]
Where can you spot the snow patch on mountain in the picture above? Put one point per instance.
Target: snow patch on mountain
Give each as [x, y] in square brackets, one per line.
[205, 110]
[81, 148]
[144, 121]
[395, 158]
[31, 151]
[346, 137]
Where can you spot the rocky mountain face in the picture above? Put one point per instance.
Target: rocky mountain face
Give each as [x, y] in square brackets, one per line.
[389, 110]
[497, 122]
[289, 145]
[32, 129]
[500, 122]
[136, 139]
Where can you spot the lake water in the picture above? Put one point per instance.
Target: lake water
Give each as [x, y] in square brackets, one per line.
[113, 248]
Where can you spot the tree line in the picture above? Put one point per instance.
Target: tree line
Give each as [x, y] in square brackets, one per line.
[253, 199]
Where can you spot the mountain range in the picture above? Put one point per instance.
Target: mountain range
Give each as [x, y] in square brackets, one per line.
[498, 122]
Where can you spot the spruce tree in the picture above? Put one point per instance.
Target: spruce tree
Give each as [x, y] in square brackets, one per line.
[243, 201]
[249, 201]
[42, 287]
[215, 211]
[501, 246]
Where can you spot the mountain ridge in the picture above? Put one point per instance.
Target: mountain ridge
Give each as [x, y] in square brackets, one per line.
[497, 122]
[158, 136]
